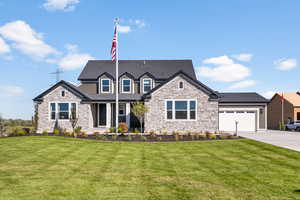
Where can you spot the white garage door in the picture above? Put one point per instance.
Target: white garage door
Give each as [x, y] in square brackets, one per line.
[245, 119]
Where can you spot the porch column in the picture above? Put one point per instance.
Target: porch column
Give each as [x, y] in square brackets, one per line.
[128, 114]
[108, 115]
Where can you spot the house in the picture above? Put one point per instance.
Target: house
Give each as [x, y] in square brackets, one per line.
[177, 101]
[291, 109]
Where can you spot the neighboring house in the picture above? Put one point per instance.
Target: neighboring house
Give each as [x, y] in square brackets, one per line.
[177, 101]
[291, 109]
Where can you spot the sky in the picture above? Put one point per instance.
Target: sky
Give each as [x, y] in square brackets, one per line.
[235, 45]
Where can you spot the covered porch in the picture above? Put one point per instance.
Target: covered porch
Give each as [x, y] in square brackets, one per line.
[104, 115]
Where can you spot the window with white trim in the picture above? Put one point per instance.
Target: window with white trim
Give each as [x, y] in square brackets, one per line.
[122, 109]
[181, 109]
[147, 85]
[52, 111]
[105, 85]
[62, 111]
[126, 85]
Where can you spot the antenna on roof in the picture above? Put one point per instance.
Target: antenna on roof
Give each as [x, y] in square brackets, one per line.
[57, 74]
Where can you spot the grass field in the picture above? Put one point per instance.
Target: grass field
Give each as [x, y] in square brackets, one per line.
[42, 168]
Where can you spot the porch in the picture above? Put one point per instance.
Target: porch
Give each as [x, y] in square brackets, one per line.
[103, 114]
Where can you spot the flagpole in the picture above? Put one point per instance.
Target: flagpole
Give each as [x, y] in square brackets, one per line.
[117, 76]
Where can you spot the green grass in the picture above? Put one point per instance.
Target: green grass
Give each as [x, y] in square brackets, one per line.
[42, 168]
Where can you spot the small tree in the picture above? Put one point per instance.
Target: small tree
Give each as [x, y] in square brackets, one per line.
[73, 118]
[35, 119]
[139, 110]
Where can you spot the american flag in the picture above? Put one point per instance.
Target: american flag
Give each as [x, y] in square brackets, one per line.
[113, 50]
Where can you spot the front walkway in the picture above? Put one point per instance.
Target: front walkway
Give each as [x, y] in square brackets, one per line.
[286, 139]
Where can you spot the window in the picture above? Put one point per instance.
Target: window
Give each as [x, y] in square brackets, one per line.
[62, 93]
[169, 109]
[298, 115]
[122, 109]
[63, 110]
[192, 109]
[105, 85]
[181, 109]
[180, 85]
[126, 85]
[52, 111]
[147, 85]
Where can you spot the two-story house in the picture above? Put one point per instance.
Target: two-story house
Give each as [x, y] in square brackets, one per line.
[169, 88]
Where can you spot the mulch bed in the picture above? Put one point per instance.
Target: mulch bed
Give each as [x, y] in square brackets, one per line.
[144, 138]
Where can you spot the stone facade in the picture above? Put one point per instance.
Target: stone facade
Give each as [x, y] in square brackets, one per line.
[207, 111]
[85, 118]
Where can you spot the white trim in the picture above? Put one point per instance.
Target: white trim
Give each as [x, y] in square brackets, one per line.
[130, 89]
[101, 85]
[143, 84]
[128, 114]
[188, 110]
[56, 110]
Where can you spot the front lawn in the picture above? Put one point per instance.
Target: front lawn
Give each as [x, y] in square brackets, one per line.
[42, 168]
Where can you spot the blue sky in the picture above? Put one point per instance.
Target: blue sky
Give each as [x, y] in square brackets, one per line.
[235, 45]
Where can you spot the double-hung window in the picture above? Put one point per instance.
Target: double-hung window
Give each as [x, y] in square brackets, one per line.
[147, 85]
[62, 111]
[181, 109]
[52, 111]
[126, 85]
[105, 86]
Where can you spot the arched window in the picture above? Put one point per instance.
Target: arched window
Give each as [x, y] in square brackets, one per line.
[180, 85]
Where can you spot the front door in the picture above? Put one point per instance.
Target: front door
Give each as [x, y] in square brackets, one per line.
[102, 114]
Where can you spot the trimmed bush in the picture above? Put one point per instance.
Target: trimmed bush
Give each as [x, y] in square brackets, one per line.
[56, 131]
[123, 128]
[45, 132]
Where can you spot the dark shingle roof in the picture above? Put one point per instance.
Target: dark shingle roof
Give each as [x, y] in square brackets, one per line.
[249, 97]
[160, 69]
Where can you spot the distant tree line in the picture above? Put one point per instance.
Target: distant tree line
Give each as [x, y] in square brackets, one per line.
[16, 122]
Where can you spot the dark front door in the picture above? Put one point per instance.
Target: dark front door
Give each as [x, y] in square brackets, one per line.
[102, 114]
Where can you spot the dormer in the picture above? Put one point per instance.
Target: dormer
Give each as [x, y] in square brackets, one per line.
[126, 83]
[105, 84]
[147, 83]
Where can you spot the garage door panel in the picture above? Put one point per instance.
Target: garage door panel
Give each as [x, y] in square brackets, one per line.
[246, 120]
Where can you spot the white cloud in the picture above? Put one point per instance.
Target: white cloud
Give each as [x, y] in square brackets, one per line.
[10, 90]
[73, 59]
[224, 69]
[243, 84]
[244, 57]
[285, 64]
[138, 22]
[4, 48]
[124, 29]
[269, 94]
[64, 5]
[27, 40]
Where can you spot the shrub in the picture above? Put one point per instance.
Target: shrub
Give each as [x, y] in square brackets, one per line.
[55, 131]
[129, 137]
[165, 132]
[83, 134]
[159, 138]
[45, 132]
[189, 133]
[123, 127]
[192, 136]
[208, 134]
[68, 133]
[112, 130]
[115, 137]
[212, 137]
[152, 133]
[77, 130]
[144, 138]
[21, 132]
[136, 131]
[225, 135]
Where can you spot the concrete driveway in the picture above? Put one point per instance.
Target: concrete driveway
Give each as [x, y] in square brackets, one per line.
[286, 139]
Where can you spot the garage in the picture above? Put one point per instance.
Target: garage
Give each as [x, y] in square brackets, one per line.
[246, 120]
[248, 109]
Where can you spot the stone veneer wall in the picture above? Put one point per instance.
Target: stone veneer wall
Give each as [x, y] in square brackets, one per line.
[207, 111]
[83, 110]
